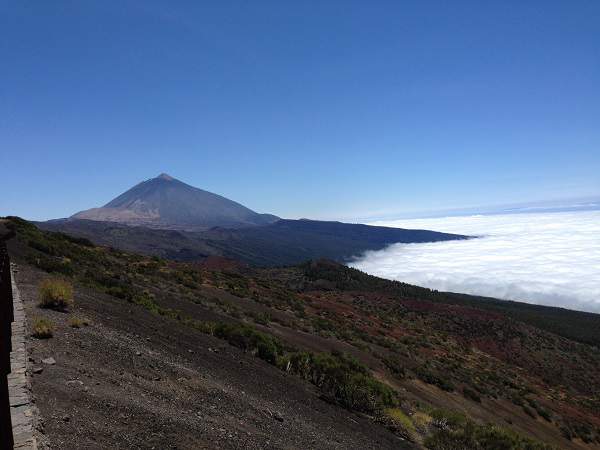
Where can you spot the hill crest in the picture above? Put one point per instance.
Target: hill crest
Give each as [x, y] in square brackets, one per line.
[167, 203]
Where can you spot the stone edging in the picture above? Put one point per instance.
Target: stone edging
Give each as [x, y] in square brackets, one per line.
[23, 412]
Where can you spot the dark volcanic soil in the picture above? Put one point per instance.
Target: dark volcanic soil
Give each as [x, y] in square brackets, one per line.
[135, 380]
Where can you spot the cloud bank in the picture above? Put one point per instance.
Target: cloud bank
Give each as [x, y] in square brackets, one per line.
[550, 259]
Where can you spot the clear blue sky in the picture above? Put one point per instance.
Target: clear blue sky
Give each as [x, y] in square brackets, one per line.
[322, 109]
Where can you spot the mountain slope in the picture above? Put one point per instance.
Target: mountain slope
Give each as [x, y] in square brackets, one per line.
[417, 362]
[164, 202]
[284, 242]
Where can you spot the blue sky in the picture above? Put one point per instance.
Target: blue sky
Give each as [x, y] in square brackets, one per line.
[321, 109]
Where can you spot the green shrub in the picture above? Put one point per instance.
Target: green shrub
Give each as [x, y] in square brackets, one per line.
[401, 423]
[444, 418]
[472, 436]
[471, 394]
[430, 377]
[53, 264]
[340, 377]
[42, 328]
[55, 293]
[121, 292]
[530, 412]
[395, 367]
[343, 379]
[571, 430]
[261, 318]
[75, 240]
[546, 415]
[247, 338]
[203, 327]
[42, 246]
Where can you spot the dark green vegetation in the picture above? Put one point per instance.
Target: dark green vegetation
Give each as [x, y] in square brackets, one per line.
[395, 352]
[457, 431]
[340, 377]
[290, 242]
[284, 242]
[576, 325]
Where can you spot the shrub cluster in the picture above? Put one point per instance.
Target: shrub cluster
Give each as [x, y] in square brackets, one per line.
[56, 293]
[42, 328]
[429, 376]
[400, 423]
[342, 378]
[456, 431]
[471, 394]
[247, 338]
[78, 322]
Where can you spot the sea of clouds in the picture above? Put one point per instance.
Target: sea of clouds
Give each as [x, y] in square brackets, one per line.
[548, 258]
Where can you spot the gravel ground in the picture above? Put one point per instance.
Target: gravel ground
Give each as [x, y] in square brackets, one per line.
[134, 380]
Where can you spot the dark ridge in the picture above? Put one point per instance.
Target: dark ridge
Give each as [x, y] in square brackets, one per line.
[284, 242]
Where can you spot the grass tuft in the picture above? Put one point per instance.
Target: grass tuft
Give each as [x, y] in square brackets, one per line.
[78, 322]
[401, 423]
[56, 293]
[42, 328]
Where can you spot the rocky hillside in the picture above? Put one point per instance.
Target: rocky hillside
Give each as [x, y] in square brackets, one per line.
[315, 355]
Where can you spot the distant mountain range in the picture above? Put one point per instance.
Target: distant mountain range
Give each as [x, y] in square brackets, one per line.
[166, 203]
[166, 217]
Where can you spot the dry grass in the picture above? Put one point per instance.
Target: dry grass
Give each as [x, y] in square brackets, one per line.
[421, 420]
[78, 322]
[42, 328]
[56, 293]
[402, 423]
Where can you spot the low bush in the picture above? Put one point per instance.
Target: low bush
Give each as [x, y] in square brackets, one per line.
[340, 377]
[471, 394]
[469, 435]
[400, 423]
[52, 264]
[247, 338]
[571, 430]
[343, 379]
[444, 419]
[56, 293]
[78, 322]
[395, 367]
[75, 240]
[261, 318]
[530, 412]
[42, 328]
[545, 414]
[430, 377]
[421, 420]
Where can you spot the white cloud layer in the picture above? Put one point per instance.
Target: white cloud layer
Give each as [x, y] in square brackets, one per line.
[551, 259]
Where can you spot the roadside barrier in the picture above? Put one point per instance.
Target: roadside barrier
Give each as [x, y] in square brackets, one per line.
[6, 319]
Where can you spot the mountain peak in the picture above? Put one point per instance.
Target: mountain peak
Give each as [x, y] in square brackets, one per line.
[164, 202]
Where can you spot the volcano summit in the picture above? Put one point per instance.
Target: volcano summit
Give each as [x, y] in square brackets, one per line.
[167, 203]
